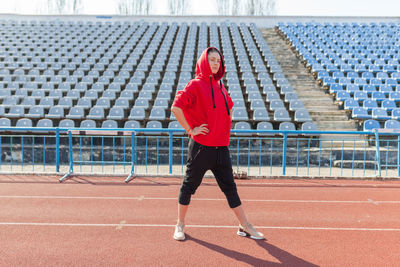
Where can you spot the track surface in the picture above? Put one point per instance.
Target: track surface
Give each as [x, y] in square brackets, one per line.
[102, 221]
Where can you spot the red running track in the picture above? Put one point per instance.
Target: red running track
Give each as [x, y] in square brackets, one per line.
[105, 222]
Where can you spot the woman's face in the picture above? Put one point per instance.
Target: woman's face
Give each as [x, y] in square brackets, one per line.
[215, 61]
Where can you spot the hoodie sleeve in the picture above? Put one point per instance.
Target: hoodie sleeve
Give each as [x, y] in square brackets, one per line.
[186, 97]
[229, 100]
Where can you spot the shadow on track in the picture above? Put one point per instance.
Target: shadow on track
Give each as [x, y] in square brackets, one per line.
[284, 257]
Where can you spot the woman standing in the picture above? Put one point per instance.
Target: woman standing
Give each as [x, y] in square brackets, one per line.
[204, 109]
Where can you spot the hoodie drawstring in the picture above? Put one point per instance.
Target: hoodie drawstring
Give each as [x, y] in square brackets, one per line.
[212, 91]
[226, 103]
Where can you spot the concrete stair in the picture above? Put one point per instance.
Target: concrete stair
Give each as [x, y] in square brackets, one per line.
[321, 106]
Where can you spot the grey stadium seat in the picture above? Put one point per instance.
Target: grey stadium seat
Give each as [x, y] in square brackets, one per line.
[44, 123]
[88, 124]
[109, 124]
[242, 125]
[66, 123]
[153, 125]
[24, 122]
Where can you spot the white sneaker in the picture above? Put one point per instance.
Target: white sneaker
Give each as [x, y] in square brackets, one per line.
[249, 231]
[179, 233]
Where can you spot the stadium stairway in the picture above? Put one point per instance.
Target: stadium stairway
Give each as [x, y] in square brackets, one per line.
[324, 112]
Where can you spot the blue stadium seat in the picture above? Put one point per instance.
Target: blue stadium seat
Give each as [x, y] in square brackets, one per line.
[389, 105]
[392, 124]
[349, 104]
[360, 113]
[370, 104]
[380, 114]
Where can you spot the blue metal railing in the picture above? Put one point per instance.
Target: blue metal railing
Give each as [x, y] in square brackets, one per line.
[259, 152]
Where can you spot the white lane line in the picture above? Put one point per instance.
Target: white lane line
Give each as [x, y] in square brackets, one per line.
[373, 202]
[198, 226]
[140, 198]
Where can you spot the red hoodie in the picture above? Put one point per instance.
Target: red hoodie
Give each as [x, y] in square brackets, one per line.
[201, 106]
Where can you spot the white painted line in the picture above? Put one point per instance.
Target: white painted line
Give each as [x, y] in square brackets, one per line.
[141, 198]
[198, 226]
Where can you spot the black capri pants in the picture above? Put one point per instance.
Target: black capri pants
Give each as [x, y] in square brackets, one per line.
[200, 160]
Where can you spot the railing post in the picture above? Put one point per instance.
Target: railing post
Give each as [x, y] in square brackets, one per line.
[57, 149]
[133, 157]
[171, 140]
[398, 155]
[284, 153]
[71, 158]
[378, 154]
[71, 163]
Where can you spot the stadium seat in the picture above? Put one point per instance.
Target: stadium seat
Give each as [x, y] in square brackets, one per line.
[157, 113]
[96, 113]
[287, 126]
[239, 114]
[132, 124]
[137, 113]
[309, 126]
[281, 115]
[36, 112]
[264, 125]
[109, 124]
[88, 124]
[392, 125]
[370, 125]
[24, 122]
[302, 115]
[175, 125]
[260, 114]
[380, 114]
[153, 125]
[242, 125]
[5, 122]
[44, 123]
[66, 123]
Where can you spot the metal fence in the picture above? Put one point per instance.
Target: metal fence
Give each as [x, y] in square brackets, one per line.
[257, 153]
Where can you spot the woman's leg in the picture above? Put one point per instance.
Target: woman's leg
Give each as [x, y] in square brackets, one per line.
[182, 210]
[224, 175]
[240, 215]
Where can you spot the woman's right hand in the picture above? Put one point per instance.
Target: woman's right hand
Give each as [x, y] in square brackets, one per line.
[202, 129]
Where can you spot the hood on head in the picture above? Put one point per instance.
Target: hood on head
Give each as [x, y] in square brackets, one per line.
[203, 70]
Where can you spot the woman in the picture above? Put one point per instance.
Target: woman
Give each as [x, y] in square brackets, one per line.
[204, 109]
